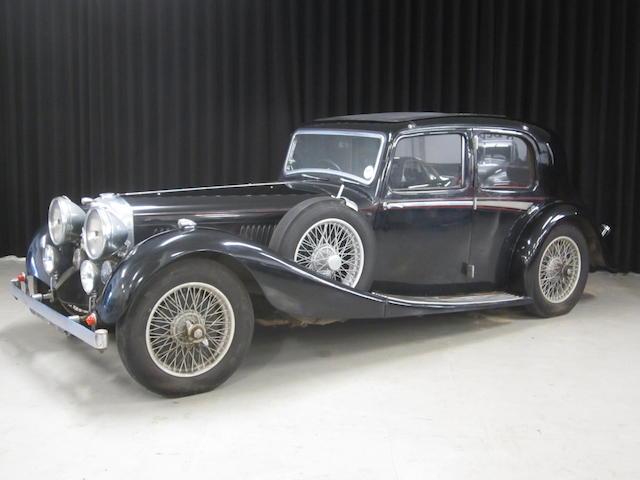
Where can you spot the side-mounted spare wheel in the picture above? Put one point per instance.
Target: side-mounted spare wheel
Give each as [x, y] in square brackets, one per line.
[329, 238]
[188, 330]
[557, 276]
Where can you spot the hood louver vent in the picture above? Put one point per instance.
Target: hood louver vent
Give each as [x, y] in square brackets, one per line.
[259, 233]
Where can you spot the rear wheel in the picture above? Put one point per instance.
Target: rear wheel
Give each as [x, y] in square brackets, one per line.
[556, 278]
[188, 330]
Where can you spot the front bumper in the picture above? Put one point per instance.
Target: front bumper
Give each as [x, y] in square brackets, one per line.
[97, 339]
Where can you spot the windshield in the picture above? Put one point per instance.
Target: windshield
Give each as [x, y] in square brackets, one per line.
[349, 154]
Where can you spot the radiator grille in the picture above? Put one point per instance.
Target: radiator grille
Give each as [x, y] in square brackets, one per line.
[259, 233]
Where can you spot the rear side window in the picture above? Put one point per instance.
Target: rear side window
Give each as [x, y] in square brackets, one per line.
[432, 161]
[504, 161]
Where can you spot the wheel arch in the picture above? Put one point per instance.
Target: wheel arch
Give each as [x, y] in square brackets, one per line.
[538, 229]
[146, 263]
[286, 286]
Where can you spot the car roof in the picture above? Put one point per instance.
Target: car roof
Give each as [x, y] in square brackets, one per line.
[393, 122]
[397, 117]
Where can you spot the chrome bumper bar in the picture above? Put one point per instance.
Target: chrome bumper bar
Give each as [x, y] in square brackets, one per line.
[97, 339]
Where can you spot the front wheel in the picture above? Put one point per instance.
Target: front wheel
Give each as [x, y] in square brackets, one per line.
[188, 331]
[556, 278]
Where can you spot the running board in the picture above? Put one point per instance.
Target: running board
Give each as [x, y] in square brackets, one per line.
[401, 305]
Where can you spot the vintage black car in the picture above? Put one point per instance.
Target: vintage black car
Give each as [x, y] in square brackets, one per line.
[376, 215]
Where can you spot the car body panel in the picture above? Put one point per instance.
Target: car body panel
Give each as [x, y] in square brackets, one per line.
[287, 286]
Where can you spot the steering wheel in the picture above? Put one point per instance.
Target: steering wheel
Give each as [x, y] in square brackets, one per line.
[333, 165]
[431, 170]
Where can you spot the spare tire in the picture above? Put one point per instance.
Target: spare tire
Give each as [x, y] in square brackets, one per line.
[329, 238]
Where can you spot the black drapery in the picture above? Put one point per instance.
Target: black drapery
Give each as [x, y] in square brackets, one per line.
[102, 95]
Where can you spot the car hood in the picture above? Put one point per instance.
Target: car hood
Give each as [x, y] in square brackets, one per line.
[223, 207]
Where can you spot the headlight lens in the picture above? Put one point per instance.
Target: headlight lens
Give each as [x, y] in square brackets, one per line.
[65, 220]
[88, 275]
[95, 234]
[49, 258]
[103, 233]
[105, 271]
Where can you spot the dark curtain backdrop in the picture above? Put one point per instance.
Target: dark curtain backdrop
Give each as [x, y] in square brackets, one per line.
[101, 95]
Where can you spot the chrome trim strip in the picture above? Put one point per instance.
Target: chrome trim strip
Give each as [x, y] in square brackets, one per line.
[475, 203]
[513, 204]
[427, 203]
[347, 133]
[192, 189]
[462, 300]
[97, 339]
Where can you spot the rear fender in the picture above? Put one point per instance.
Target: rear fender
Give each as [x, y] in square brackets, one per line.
[537, 230]
[285, 285]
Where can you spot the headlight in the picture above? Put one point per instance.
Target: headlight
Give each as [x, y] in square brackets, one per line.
[95, 238]
[49, 258]
[65, 220]
[88, 275]
[105, 271]
[103, 233]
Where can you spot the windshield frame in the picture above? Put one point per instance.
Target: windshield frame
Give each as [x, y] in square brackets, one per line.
[347, 133]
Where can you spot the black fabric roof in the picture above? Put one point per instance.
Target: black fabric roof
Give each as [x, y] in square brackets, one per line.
[397, 117]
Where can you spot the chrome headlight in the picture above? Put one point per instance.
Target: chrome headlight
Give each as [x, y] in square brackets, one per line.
[105, 271]
[65, 220]
[49, 258]
[88, 276]
[103, 233]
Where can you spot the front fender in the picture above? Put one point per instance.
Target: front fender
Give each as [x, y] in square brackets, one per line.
[34, 264]
[285, 285]
[537, 230]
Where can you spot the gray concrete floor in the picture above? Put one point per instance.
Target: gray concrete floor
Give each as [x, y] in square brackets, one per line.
[494, 394]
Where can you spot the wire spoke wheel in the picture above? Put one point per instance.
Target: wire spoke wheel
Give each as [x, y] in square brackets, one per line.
[190, 329]
[559, 269]
[332, 248]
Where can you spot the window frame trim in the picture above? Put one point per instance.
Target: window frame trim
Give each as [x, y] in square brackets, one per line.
[347, 133]
[527, 138]
[462, 132]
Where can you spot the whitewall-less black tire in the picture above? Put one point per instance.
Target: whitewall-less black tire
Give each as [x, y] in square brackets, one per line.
[188, 330]
[556, 278]
[330, 239]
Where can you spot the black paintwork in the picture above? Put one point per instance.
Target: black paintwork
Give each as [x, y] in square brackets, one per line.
[421, 249]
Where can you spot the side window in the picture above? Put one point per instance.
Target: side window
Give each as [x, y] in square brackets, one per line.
[504, 161]
[427, 161]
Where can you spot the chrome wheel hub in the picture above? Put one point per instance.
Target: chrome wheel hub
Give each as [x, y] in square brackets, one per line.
[332, 248]
[325, 259]
[559, 269]
[190, 329]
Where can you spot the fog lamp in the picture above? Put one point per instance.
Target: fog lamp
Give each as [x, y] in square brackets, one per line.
[49, 259]
[105, 271]
[88, 275]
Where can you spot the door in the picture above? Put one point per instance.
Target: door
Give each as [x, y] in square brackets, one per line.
[505, 190]
[424, 225]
